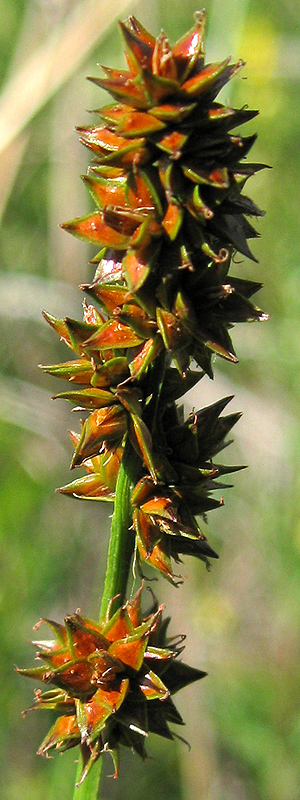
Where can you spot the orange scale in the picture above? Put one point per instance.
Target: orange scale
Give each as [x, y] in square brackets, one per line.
[109, 467]
[112, 372]
[139, 193]
[142, 440]
[123, 88]
[189, 48]
[142, 491]
[130, 651]
[136, 269]
[88, 487]
[204, 80]
[103, 424]
[139, 123]
[124, 220]
[114, 113]
[91, 719]
[59, 326]
[65, 728]
[119, 626]
[138, 320]
[147, 353]
[148, 533]
[219, 178]
[169, 112]
[220, 113]
[160, 505]
[114, 334]
[163, 63]
[111, 296]
[153, 688]
[138, 49]
[157, 87]
[110, 697]
[120, 76]
[56, 660]
[130, 156]
[75, 677]
[142, 236]
[94, 714]
[158, 559]
[173, 143]
[141, 32]
[107, 192]
[86, 642]
[105, 138]
[134, 608]
[93, 626]
[96, 229]
[171, 330]
[173, 220]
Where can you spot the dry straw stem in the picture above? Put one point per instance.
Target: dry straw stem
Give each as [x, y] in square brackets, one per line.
[51, 64]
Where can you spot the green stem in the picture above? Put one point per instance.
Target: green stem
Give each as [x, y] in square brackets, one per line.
[117, 572]
[89, 789]
[121, 542]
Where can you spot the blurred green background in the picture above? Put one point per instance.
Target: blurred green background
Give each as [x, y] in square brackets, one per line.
[242, 620]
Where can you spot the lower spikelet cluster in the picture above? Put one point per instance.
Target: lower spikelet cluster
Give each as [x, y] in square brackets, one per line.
[113, 682]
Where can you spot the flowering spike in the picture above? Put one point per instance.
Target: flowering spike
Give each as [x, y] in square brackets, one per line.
[167, 181]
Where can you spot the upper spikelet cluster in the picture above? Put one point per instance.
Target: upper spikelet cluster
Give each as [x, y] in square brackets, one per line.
[167, 178]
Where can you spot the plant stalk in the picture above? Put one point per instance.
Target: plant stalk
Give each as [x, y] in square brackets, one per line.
[119, 558]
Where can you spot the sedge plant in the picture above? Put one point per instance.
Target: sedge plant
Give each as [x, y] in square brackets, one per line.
[167, 178]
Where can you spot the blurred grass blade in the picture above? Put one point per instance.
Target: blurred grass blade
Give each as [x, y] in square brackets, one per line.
[51, 64]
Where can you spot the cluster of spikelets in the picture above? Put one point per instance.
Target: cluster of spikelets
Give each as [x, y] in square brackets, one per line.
[105, 676]
[167, 179]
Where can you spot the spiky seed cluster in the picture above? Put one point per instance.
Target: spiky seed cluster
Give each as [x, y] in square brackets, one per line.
[167, 179]
[113, 682]
[179, 473]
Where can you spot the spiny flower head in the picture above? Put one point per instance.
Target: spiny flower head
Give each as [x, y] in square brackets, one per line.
[178, 453]
[113, 681]
[168, 179]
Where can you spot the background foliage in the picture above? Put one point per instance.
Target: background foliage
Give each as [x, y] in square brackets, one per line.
[242, 620]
